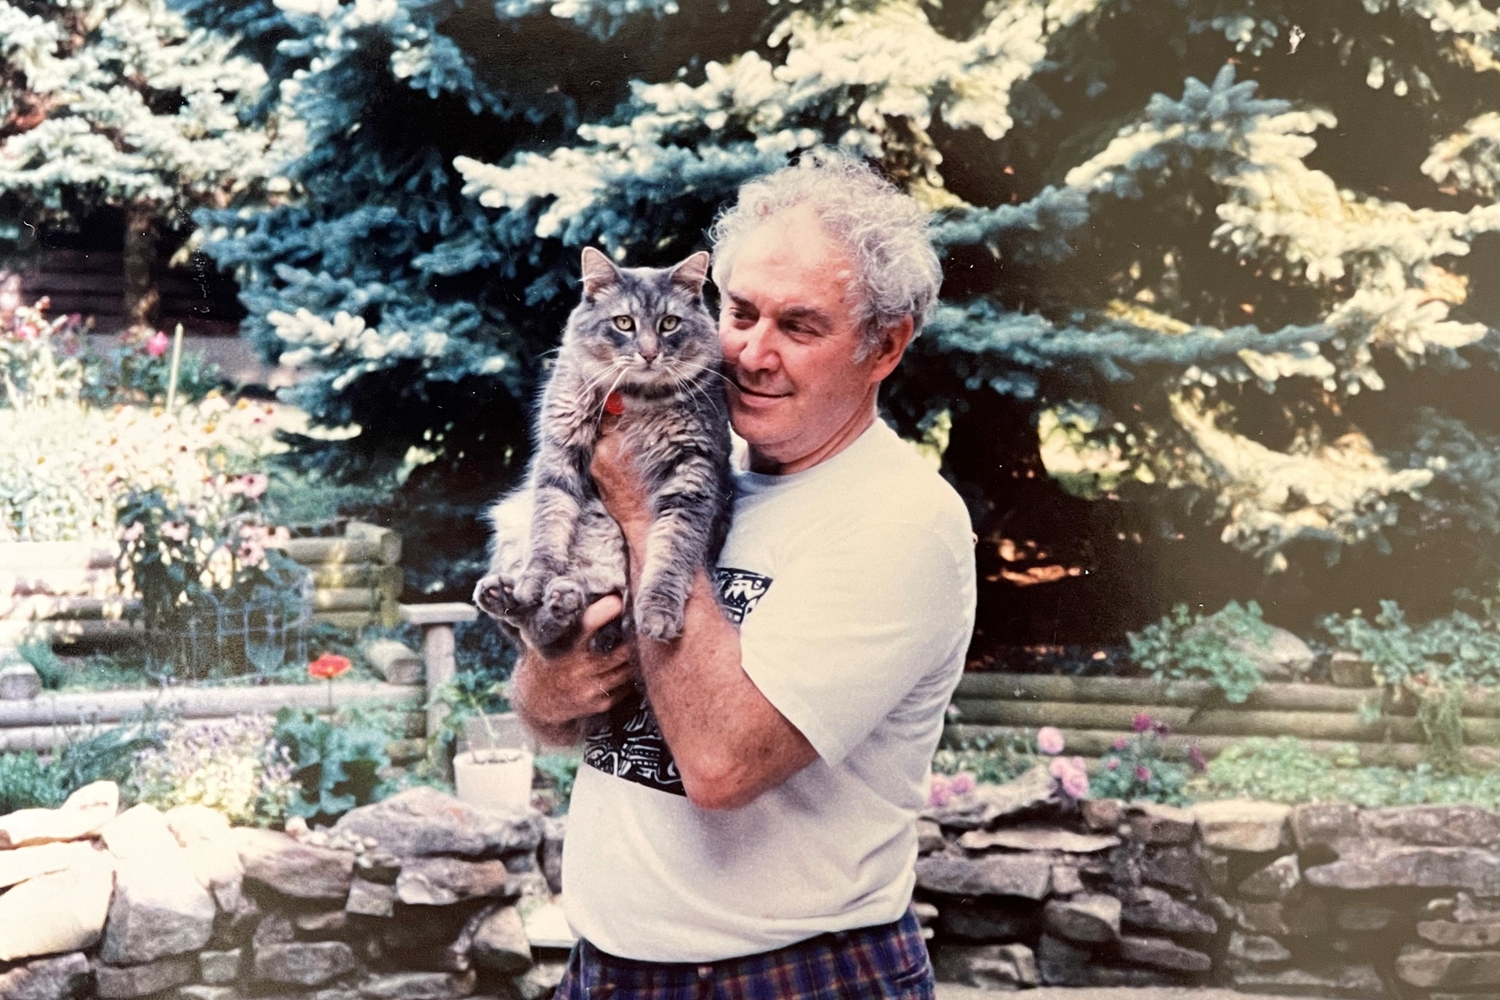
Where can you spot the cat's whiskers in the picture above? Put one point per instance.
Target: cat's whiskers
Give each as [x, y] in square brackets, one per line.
[604, 401]
[616, 364]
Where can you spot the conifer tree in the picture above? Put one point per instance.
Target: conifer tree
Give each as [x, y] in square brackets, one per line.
[120, 103]
[1220, 269]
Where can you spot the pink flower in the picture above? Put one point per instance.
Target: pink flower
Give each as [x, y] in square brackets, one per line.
[1121, 743]
[1076, 784]
[961, 783]
[1049, 740]
[1071, 774]
[1199, 762]
[1161, 729]
[133, 532]
[1141, 723]
[157, 345]
[254, 484]
[1142, 773]
[939, 792]
[177, 531]
[1113, 764]
[26, 331]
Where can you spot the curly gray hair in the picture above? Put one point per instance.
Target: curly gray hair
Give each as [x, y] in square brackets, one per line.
[884, 231]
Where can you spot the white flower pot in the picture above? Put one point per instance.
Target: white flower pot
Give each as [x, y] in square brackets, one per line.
[500, 777]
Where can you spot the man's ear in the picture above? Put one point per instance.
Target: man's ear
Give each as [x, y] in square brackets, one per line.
[888, 350]
[692, 273]
[599, 272]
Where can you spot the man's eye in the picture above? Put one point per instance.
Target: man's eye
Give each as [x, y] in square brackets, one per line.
[624, 324]
[669, 323]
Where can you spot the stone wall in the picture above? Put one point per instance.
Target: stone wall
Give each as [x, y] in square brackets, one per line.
[420, 897]
[1020, 888]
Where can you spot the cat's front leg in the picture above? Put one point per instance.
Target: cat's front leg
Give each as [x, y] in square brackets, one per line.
[554, 520]
[676, 546]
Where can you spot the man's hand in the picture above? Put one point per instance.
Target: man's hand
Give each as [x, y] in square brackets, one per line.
[551, 695]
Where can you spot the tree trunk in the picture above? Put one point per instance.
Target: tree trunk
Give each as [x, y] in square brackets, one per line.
[142, 294]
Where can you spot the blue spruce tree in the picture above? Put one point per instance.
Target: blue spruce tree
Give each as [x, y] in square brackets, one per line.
[1220, 284]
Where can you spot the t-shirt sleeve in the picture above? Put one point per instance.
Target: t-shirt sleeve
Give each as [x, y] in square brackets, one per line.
[850, 626]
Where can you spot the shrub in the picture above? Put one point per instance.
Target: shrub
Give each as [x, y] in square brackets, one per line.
[336, 763]
[1137, 768]
[1188, 646]
[235, 767]
[1286, 770]
[991, 760]
[30, 780]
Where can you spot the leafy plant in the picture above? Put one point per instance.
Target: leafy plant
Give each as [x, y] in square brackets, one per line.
[1184, 645]
[45, 662]
[1137, 767]
[336, 763]
[1286, 770]
[558, 772]
[236, 767]
[30, 780]
[990, 759]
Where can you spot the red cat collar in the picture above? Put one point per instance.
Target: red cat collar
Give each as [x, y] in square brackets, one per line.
[614, 403]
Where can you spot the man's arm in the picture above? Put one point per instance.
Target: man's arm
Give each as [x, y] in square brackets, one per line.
[729, 742]
[552, 696]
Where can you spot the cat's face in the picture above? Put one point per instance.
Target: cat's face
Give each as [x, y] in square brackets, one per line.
[642, 330]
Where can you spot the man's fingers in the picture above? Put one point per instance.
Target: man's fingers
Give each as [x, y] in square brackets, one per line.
[601, 612]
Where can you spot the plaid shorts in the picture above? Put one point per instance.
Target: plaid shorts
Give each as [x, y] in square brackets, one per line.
[888, 962]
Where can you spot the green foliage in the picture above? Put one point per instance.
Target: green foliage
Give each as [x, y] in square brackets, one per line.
[1286, 770]
[301, 496]
[990, 759]
[558, 771]
[30, 780]
[1187, 646]
[1138, 768]
[45, 662]
[235, 767]
[336, 764]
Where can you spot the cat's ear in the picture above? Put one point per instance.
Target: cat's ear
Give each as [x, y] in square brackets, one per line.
[599, 272]
[692, 272]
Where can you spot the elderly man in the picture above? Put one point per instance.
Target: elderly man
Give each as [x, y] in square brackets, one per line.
[751, 833]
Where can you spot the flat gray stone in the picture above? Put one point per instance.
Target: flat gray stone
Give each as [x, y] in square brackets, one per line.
[418, 986]
[1048, 839]
[1300, 919]
[989, 803]
[322, 924]
[57, 977]
[1025, 875]
[371, 899]
[301, 871]
[1258, 950]
[500, 942]
[158, 909]
[140, 832]
[540, 980]
[82, 815]
[305, 964]
[197, 991]
[1363, 917]
[142, 980]
[1062, 963]
[219, 967]
[1355, 981]
[1172, 868]
[24, 863]
[1093, 919]
[443, 881]
[1324, 823]
[423, 821]
[1277, 880]
[1241, 825]
[1150, 909]
[1154, 823]
[1474, 869]
[1431, 969]
[1452, 934]
[1163, 953]
[929, 837]
[57, 913]
[986, 966]
[1434, 826]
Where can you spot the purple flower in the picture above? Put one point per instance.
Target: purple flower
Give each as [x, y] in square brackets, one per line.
[939, 792]
[1199, 762]
[1049, 740]
[1141, 723]
[1113, 764]
[1161, 729]
[1142, 773]
[961, 783]
[1121, 743]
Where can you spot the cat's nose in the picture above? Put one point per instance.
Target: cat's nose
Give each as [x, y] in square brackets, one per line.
[648, 352]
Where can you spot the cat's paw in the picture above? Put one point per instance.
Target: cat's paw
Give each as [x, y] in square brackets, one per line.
[493, 596]
[532, 584]
[658, 621]
[561, 607]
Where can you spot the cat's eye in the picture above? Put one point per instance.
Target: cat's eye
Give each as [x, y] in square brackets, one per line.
[624, 324]
[670, 323]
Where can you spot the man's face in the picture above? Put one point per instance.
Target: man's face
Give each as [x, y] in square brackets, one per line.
[790, 339]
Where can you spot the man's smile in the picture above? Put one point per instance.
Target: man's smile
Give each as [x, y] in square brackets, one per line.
[739, 384]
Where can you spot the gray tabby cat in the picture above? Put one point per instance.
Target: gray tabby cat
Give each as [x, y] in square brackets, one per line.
[645, 335]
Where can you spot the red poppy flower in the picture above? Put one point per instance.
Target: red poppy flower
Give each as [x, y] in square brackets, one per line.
[328, 666]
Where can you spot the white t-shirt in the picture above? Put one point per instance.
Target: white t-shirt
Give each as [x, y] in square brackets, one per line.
[853, 584]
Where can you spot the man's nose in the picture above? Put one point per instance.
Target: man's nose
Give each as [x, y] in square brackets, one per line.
[751, 349]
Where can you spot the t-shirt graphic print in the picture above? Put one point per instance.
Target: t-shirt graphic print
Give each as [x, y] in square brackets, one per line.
[630, 744]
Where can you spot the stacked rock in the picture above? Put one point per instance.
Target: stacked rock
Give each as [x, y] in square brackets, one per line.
[1032, 888]
[419, 897]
